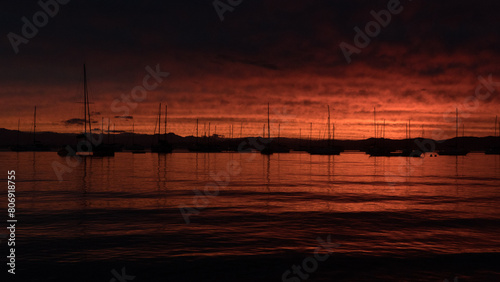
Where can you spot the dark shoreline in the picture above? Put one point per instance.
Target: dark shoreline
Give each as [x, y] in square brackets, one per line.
[55, 141]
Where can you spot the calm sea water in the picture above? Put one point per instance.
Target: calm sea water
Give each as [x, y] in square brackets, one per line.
[394, 219]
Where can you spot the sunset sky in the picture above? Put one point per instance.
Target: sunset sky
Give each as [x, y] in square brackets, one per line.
[422, 65]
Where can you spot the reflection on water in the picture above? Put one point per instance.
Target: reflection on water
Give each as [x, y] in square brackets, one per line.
[126, 208]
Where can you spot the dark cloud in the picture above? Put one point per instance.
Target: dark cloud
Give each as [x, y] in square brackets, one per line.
[291, 33]
[73, 121]
[76, 121]
[283, 52]
[125, 117]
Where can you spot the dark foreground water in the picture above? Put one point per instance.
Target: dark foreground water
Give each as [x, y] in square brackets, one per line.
[342, 218]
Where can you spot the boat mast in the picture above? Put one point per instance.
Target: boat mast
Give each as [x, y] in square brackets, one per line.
[86, 101]
[108, 128]
[34, 127]
[102, 127]
[18, 130]
[383, 131]
[409, 129]
[375, 121]
[268, 123]
[310, 134]
[456, 114]
[328, 125]
[85, 98]
[496, 122]
[159, 123]
[165, 131]
[88, 113]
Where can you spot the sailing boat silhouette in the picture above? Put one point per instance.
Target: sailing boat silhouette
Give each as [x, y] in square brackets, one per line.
[456, 151]
[84, 147]
[206, 144]
[495, 149]
[329, 149]
[134, 147]
[37, 146]
[269, 147]
[162, 147]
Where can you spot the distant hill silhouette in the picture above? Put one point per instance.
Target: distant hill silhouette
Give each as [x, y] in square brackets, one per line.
[9, 138]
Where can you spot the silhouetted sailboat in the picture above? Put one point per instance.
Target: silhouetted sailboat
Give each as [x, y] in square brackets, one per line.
[456, 151]
[279, 147]
[163, 146]
[384, 150]
[106, 149]
[36, 146]
[267, 148]
[409, 151]
[377, 150]
[301, 145]
[495, 149]
[134, 147]
[270, 147]
[205, 144]
[85, 141]
[329, 149]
